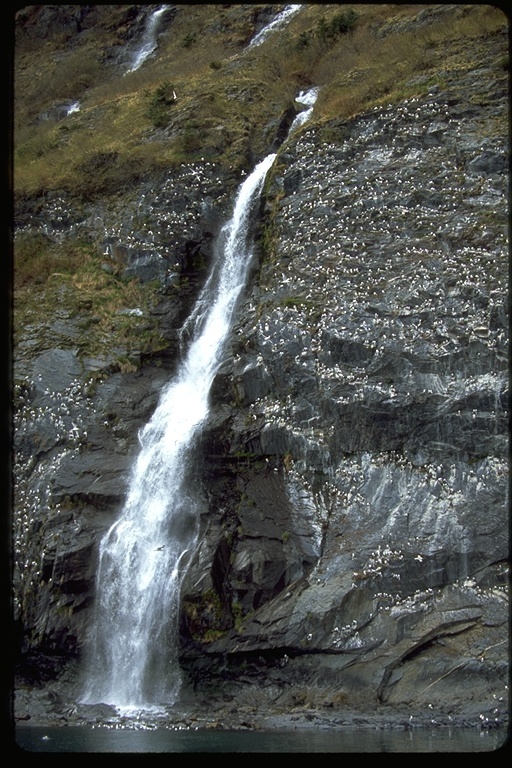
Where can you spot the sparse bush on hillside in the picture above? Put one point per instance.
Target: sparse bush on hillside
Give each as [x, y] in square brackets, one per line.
[340, 24]
[191, 140]
[99, 162]
[304, 40]
[161, 100]
[189, 39]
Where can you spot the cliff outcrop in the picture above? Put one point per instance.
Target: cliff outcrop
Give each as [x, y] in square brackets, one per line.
[367, 546]
[354, 467]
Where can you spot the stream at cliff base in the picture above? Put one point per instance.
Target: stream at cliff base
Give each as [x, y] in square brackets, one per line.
[162, 740]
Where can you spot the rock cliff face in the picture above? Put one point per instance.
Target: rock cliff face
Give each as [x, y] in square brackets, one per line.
[361, 540]
[354, 539]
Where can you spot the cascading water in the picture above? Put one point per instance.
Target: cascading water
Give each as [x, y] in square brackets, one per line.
[132, 661]
[308, 99]
[275, 24]
[74, 107]
[148, 44]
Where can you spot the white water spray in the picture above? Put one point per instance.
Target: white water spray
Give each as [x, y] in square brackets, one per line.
[74, 107]
[280, 19]
[307, 99]
[148, 43]
[143, 558]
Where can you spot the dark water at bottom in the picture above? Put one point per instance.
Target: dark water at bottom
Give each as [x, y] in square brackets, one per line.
[106, 740]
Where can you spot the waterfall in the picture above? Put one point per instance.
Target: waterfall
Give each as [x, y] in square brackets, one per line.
[277, 22]
[308, 99]
[132, 661]
[143, 556]
[74, 107]
[148, 43]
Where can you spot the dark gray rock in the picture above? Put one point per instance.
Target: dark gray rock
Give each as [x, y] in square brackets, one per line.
[253, 382]
[291, 181]
[488, 162]
[146, 267]
[55, 370]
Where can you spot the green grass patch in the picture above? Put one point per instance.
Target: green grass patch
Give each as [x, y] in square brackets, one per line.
[70, 281]
[37, 258]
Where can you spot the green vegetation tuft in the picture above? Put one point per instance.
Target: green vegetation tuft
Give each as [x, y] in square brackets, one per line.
[189, 39]
[71, 278]
[206, 617]
[161, 100]
[38, 258]
[340, 24]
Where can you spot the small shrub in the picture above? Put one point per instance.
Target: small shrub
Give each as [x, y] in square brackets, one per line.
[303, 41]
[340, 24]
[125, 365]
[206, 618]
[189, 39]
[192, 138]
[343, 22]
[99, 162]
[238, 616]
[161, 100]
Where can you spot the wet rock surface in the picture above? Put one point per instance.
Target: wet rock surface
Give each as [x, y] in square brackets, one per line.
[355, 464]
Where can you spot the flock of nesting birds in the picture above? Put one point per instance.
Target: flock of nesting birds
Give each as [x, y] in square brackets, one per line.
[390, 243]
[383, 244]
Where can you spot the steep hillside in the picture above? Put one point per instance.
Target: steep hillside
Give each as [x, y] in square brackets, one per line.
[123, 132]
[353, 470]
[125, 129]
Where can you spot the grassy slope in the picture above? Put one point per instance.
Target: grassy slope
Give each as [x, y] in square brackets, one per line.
[222, 109]
[356, 71]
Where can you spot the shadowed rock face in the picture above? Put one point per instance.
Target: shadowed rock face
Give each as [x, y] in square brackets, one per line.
[355, 464]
